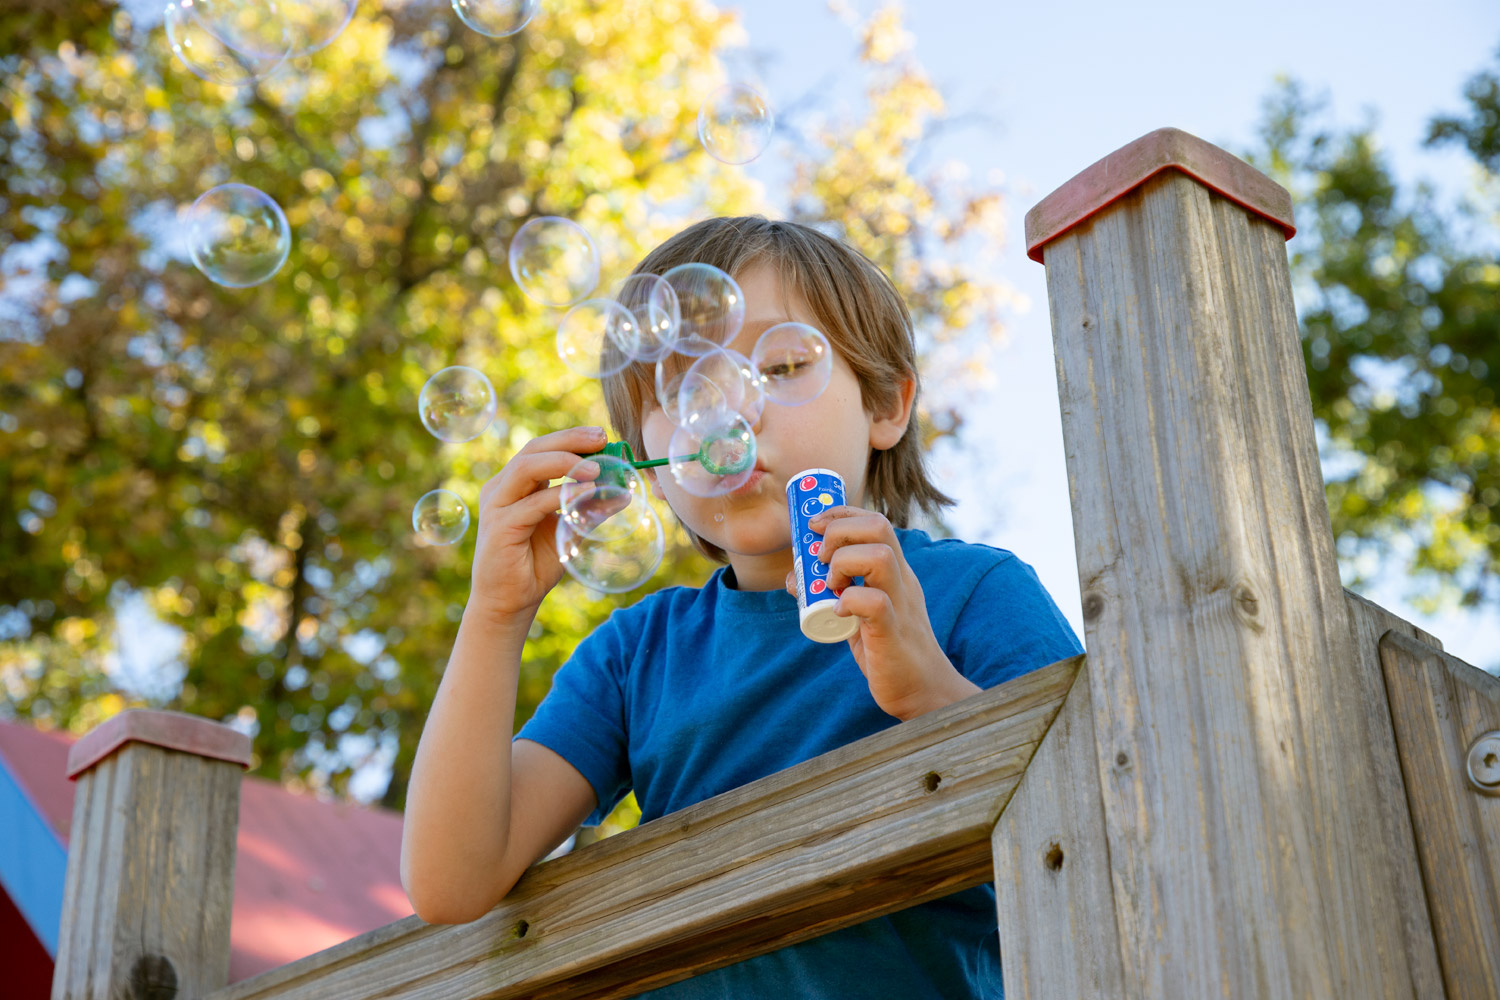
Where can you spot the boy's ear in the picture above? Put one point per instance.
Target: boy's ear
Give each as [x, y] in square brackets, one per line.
[650, 476]
[887, 428]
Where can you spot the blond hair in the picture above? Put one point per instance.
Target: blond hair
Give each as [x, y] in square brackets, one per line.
[856, 306]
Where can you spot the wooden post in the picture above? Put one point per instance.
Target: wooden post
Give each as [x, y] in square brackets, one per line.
[1246, 838]
[150, 876]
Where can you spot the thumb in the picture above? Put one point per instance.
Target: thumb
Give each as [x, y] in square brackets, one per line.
[791, 583]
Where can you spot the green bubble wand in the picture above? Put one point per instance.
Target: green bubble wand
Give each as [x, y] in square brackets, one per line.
[726, 453]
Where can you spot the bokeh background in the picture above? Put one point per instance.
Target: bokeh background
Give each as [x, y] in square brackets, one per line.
[205, 493]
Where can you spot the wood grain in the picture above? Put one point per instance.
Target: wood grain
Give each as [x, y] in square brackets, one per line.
[1439, 705]
[1057, 912]
[881, 824]
[150, 877]
[1218, 633]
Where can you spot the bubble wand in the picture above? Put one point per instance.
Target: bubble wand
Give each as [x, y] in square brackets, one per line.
[722, 454]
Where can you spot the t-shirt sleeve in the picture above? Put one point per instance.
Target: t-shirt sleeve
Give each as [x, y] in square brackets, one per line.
[582, 717]
[1009, 626]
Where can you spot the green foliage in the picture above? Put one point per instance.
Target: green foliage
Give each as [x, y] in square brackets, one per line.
[1400, 320]
[247, 460]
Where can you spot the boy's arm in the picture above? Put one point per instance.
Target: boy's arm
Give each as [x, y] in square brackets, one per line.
[480, 812]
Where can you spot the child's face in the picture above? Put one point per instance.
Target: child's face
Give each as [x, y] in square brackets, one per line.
[832, 431]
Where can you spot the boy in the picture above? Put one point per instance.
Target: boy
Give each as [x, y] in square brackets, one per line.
[691, 692]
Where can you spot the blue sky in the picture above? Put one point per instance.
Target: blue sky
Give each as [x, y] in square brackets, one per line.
[1064, 83]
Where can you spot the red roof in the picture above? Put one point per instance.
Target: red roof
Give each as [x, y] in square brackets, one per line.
[309, 873]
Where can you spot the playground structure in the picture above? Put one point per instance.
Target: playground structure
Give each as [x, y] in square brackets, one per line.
[1254, 784]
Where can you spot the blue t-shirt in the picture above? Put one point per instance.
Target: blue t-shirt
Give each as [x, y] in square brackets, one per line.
[691, 692]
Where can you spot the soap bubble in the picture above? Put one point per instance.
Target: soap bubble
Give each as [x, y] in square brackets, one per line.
[496, 18]
[653, 303]
[253, 28]
[714, 459]
[794, 362]
[440, 518]
[554, 261]
[237, 235]
[591, 336]
[608, 536]
[207, 55]
[735, 123]
[315, 23]
[669, 380]
[711, 306]
[457, 404]
[721, 380]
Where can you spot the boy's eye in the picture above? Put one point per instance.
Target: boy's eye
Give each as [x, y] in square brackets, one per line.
[786, 369]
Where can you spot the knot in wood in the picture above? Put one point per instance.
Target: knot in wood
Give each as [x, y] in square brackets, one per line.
[152, 977]
[1093, 605]
[1052, 859]
[1247, 605]
[931, 781]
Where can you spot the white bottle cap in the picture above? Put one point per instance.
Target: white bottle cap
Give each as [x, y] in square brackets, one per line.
[821, 623]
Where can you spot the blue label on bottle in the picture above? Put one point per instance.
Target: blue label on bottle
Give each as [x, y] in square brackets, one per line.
[807, 494]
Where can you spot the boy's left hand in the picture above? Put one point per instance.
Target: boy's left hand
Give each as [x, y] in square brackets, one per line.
[907, 670]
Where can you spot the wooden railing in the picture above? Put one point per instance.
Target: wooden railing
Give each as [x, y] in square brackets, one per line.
[1254, 785]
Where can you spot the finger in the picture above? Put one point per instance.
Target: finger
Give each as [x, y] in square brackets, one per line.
[820, 520]
[791, 582]
[861, 528]
[525, 514]
[527, 473]
[877, 563]
[581, 440]
[868, 604]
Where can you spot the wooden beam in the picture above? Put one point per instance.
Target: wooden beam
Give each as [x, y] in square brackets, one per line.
[896, 819]
[150, 877]
[1219, 637]
[1058, 939]
[1440, 705]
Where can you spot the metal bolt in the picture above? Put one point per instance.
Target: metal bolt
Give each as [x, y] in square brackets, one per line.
[1484, 763]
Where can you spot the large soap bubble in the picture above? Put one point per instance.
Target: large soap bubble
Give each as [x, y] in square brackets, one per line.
[313, 24]
[440, 518]
[711, 306]
[713, 459]
[554, 261]
[653, 303]
[254, 28]
[608, 536]
[496, 18]
[237, 235]
[794, 363]
[735, 123]
[593, 337]
[207, 55]
[457, 404]
[722, 380]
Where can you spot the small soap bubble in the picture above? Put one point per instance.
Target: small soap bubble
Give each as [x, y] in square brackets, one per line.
[440, 518]
[669, 380]
[207, 55]
[313, 24]
[710, 461]
[594, 337]
[457, 404]
[735, 123]
[710, 304]
[653, 303]
[554, 261]
[794, 362]
[237, 235]
[495, 18]
[735, 383]
[719, 518]
[608, 536]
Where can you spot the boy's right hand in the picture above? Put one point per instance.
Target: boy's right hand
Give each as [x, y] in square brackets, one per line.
[515, 557]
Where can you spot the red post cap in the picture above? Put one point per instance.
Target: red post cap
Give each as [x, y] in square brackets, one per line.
[1130, 166]
[173, 730]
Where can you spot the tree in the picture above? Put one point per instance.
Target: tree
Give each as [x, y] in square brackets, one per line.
[246, 461]
[1400, 319]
